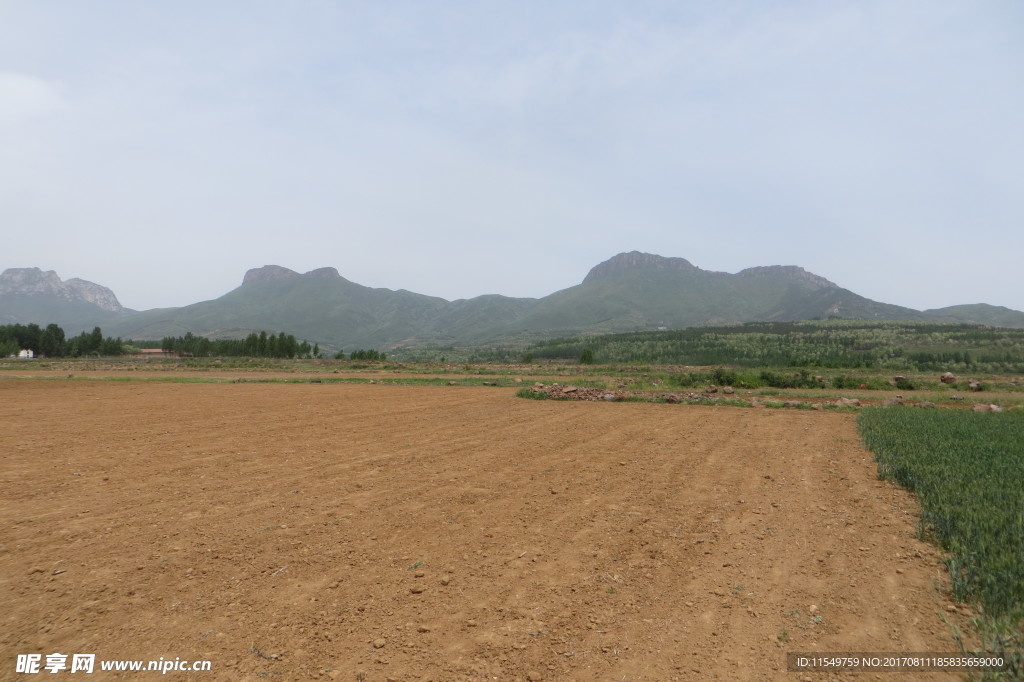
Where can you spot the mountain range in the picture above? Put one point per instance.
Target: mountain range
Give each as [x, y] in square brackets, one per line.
[629, 292]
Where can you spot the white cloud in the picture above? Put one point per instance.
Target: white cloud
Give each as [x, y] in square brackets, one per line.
[24, 97]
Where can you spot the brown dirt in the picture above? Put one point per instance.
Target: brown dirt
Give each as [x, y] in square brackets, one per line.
[280, 530]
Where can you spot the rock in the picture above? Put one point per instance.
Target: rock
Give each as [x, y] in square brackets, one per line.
[534, 676]
[956, 397]
[728, 390]
[570, 389]
[453, 383]
[847, 402]
[672, 398]
[608, 396]
[712, 389]
[892, 401]
[379, 643]
[982, 407]
[792, 403]
[948, 378]
[926, 404]
[974, 385]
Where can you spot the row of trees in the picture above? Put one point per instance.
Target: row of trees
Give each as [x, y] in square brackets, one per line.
[255, 345]
[52, 342]
[838, 344]
[372, 355]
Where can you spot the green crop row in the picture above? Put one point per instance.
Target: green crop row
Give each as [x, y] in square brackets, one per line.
[967, 469]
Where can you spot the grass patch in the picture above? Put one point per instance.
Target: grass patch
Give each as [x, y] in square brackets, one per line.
[531, 394]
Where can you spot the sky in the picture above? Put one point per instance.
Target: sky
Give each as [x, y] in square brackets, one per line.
[461, 148]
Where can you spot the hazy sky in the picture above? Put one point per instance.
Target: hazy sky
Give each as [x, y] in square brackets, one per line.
[465, 148]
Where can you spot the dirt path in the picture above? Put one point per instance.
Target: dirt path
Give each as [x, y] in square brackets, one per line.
[304, 531]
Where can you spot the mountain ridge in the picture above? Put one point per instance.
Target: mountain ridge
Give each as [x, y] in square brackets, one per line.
[28, 281]
[628, 292]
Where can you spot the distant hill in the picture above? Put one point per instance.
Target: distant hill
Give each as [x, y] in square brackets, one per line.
[979, 313]
[636, 291]
[629, 292]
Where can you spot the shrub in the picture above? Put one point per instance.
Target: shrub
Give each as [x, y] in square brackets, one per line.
[368, 355]
[725, 377]
[801, 380]
[843, 381]
[904, 384]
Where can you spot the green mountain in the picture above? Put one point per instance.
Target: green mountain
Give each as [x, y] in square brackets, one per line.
[629, 292]
[636, 291]
[321, 306]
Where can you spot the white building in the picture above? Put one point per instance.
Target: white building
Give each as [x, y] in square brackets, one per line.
[26, 353]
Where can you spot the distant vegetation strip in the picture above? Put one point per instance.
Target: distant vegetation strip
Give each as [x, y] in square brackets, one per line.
[51, 341]
[901, 346]
[966, 468]
[261, 345]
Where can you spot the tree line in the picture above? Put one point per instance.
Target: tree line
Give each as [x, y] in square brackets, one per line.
[52, 342]
[261, 345]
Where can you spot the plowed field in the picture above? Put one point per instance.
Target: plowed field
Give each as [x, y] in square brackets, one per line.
[319, 531]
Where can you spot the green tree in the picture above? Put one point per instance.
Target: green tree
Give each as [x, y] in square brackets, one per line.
[8, 347]
[111, 347]
[51, 341]
[95, 340]
[25, 335]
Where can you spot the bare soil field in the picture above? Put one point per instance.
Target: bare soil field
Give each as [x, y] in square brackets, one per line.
[369, 532]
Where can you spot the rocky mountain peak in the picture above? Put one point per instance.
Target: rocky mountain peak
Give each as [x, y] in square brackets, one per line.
[636, 260]
[33, 281]
[324, 273]
[791, 271]
[268, 273]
